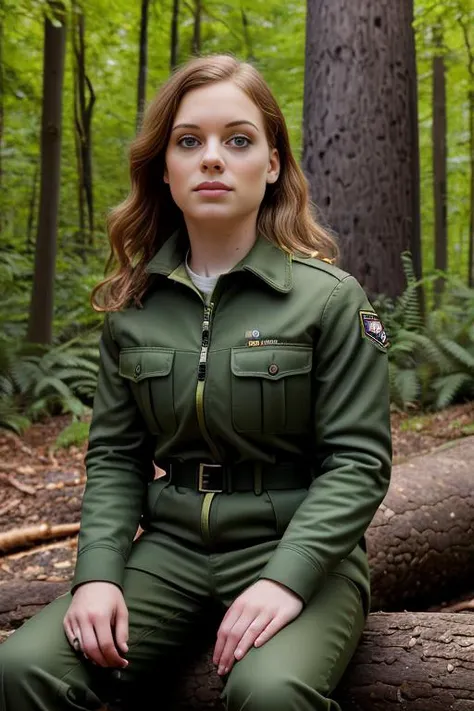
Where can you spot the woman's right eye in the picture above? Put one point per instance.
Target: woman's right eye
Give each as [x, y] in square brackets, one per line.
[184, 141]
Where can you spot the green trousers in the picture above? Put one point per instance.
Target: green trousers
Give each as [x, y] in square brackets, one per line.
[173, 577]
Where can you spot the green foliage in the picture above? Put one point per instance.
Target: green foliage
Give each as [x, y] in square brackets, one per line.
[431, 361]
[38, 381]
[76, 433]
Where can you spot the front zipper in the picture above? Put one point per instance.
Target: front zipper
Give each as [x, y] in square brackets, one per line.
[202, 373]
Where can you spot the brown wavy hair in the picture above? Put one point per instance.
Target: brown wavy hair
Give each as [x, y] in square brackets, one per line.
[139, 225]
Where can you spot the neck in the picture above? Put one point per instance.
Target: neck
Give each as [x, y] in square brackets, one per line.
[215, 249]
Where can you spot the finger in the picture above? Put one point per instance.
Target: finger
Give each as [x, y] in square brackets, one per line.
[233, 640]
[271, 629]
[103, 632]
[229, 619]
[121, 629]
[254, 630]
[90, 645]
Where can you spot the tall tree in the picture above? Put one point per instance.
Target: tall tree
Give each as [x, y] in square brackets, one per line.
[439, 159]
[83, 108]
[196, 43]
[2, 93]
[142, 62]
[40, 325]
[360, 145]
[174, 40]
[464, 22]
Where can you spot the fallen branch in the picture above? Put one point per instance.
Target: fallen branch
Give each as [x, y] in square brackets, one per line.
[9, 479]
[21, 537]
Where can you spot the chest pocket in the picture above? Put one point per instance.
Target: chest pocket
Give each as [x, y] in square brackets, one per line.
[150, 372]
[271, 388]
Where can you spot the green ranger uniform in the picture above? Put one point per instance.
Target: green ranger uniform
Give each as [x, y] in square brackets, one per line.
[268, 407]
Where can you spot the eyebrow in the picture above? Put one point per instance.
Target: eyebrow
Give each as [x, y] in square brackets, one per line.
[194, 125]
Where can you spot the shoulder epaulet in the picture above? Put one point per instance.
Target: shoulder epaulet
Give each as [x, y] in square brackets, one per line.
[323, 265]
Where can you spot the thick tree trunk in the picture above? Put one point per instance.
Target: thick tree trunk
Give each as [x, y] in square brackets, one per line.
[439, 162]
[40, 326]
[360, 149]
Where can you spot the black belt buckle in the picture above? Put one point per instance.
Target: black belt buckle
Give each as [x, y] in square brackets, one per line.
[211, 478]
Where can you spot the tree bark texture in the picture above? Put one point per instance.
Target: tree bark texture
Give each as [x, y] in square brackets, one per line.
[360, 146]
[40, 326]
[421, 540]
[405, 661]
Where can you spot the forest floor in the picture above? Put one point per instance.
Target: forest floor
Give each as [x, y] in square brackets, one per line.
[41, 486]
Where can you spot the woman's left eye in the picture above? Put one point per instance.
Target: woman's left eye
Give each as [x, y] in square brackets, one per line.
[241, 138]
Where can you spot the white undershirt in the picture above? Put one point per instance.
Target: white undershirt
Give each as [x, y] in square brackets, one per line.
[205, 284]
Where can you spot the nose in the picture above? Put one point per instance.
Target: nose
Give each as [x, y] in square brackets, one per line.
[212, 158]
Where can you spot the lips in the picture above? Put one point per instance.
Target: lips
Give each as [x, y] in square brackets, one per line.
[212, 186]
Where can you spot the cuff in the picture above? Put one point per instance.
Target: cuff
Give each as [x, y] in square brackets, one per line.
[99, 564]
[296, 572]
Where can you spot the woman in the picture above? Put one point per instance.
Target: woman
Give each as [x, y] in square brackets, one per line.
[237, 358]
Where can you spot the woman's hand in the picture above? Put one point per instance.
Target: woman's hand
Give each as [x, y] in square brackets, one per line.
[96, 623]
[252, 619]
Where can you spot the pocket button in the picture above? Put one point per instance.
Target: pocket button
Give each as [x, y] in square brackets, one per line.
[273, 369]
[138, 369]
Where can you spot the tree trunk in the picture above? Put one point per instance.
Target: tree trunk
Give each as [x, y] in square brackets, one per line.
[2, 114]
[360, 148]
[83, 120]
[32, 210]
[196, 42]
[439, 162]
[142, 63]
[247, 36]
[470, 56]
[40, 326]
[174, 35]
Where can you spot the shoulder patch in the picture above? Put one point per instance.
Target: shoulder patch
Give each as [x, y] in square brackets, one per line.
[373, 328]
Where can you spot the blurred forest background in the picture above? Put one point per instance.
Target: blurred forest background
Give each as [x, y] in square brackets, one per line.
[379, 100]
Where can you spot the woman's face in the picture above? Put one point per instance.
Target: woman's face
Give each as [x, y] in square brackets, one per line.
[218, 135]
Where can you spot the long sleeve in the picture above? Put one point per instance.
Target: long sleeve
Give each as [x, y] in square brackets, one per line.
[119, 463]
[352, 445]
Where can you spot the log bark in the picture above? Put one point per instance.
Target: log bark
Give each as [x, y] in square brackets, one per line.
[421, 539]
[406, 661]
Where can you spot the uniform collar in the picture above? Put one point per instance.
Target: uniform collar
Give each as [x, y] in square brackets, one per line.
[265, 260]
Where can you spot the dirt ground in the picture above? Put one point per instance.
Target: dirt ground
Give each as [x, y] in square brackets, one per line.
[41, 486]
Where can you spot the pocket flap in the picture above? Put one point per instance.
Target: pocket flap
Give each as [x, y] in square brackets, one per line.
[271, 362]
[146, 362]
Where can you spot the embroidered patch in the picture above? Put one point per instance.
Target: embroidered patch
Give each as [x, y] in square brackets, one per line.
[373, 328]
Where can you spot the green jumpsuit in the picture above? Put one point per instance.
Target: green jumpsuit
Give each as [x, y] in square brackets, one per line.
[268, 407]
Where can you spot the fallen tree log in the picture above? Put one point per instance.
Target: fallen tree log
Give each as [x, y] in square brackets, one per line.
[419, 543]
[421, 539]
[405, 662]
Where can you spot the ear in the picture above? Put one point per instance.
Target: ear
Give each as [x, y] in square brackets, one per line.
[273, 166]
[165, 175]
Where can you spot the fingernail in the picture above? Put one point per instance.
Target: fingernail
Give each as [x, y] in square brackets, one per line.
[238, 653]
[221, 670]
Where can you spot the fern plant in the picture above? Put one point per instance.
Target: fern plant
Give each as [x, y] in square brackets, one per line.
[431, 363]
[38, 381]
